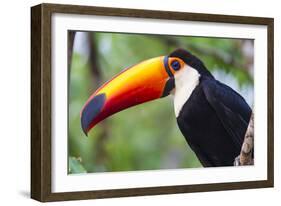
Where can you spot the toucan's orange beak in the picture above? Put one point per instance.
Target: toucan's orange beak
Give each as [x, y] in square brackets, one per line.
[140, 83]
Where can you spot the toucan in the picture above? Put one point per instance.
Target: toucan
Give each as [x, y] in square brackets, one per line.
[212, 117]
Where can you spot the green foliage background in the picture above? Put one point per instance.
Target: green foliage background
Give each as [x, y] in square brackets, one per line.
[145, 136]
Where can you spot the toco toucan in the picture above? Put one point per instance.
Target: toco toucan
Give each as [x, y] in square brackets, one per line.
[212, 117]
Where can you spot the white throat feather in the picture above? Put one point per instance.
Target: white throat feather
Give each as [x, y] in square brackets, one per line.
[185, 82]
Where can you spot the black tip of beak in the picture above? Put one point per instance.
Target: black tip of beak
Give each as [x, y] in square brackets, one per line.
[91, 111]
[85, 133]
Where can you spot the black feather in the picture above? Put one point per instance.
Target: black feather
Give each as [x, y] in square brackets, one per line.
[192, 61]
[215, 117]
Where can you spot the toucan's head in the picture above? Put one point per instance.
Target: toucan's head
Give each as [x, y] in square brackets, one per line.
[143, 82]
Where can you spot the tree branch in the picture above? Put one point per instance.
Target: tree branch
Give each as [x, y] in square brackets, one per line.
[100, 148]
[246, 155]
[70, 42]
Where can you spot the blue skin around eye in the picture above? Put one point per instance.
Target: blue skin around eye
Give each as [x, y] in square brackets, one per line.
[176, 65]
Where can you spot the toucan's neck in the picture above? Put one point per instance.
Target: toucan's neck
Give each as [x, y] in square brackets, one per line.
[185, 82]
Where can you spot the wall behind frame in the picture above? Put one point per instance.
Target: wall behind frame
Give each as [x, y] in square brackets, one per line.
[15, 104]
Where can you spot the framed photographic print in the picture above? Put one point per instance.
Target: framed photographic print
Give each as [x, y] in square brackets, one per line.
[132, 102]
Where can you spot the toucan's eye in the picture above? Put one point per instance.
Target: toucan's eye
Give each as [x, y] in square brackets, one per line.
[175, 65]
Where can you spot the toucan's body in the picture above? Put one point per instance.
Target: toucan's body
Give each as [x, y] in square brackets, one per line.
[214, 121]
[212, 117]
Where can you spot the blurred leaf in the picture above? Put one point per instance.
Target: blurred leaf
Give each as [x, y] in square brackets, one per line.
[75, 166]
